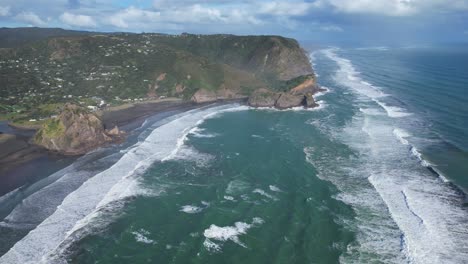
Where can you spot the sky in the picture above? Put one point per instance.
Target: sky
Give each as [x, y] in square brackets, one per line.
[364, 22]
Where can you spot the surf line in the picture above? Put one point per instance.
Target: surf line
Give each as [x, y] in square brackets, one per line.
[67, 224]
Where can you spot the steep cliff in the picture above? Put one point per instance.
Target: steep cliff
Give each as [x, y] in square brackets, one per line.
[86, 69]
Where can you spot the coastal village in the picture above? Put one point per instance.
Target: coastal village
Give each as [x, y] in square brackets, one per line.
[45, 82]
[111, 70]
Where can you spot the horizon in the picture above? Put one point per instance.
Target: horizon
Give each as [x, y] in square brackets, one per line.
[322, 22]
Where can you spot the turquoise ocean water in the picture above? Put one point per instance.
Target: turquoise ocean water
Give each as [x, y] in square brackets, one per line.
[374, 175]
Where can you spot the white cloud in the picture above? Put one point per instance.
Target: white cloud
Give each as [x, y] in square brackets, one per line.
[385, 7]
[331, 28]
[78, 20]
[285, 8]
[31, 19]
[133, 17]
[4, 10]
[393, 7]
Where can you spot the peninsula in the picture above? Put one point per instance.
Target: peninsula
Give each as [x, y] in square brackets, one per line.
[62, 83]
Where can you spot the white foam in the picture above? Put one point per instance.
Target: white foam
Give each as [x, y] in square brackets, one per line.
[418, 155]
[393, 111]
[236, 187]
[211, 246]
[427, 211]
[405, 214]
[51, 238]
[229, 198]
[401, 135]
[257, 136]
[263, 193]
[140, 236]
[189, 153]
[201, 133]
[191, 209]
[321, 105]
[223, 234]
[371, 111]
[323, 92]
[275, 189]
[348, 76]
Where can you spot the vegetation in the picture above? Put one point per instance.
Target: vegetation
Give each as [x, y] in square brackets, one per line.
[95, 69]
[52, 128]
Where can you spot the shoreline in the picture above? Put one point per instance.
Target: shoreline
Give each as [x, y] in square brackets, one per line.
[18, 167]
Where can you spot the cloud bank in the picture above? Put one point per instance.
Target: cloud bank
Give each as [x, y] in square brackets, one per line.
[306, 18]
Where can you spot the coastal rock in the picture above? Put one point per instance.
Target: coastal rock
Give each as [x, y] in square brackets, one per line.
[204, 95]
[285, 59]
[308, 86]
[310, 101]
[289, 100]
[75, 131]
[114, 132]
[263, 98]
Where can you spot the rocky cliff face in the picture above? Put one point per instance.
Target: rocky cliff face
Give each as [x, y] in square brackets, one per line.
[300, 95]
[204, 96]
[75, 131]
[282, 58]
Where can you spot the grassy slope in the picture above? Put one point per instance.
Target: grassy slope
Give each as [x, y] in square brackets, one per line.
[38, 77]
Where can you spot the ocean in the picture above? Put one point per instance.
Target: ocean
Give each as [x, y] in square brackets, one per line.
[376, 174]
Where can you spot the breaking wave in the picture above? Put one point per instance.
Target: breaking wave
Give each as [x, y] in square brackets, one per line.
[74, 217]
[428, 213]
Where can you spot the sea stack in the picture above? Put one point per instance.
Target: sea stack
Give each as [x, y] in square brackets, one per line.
[75, 131]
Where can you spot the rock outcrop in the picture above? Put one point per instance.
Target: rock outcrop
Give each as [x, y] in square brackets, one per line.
[300, 95]
[310, 101]
[287, 100]
[205, 96]
[263, 98]
[75, 131]
[307, 86]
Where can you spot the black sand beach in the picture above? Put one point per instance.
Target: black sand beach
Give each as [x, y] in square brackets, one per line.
[22, 162]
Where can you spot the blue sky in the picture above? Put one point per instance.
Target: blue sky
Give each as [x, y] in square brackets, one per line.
[373, 22]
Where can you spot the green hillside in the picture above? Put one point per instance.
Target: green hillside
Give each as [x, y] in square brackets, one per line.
[118, 68]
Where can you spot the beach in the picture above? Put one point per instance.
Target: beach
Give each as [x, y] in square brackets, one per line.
[20, 159]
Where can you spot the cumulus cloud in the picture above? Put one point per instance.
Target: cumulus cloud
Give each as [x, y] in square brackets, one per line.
[133, 17]
[78, 20]
[4, 10]
[31, 19]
